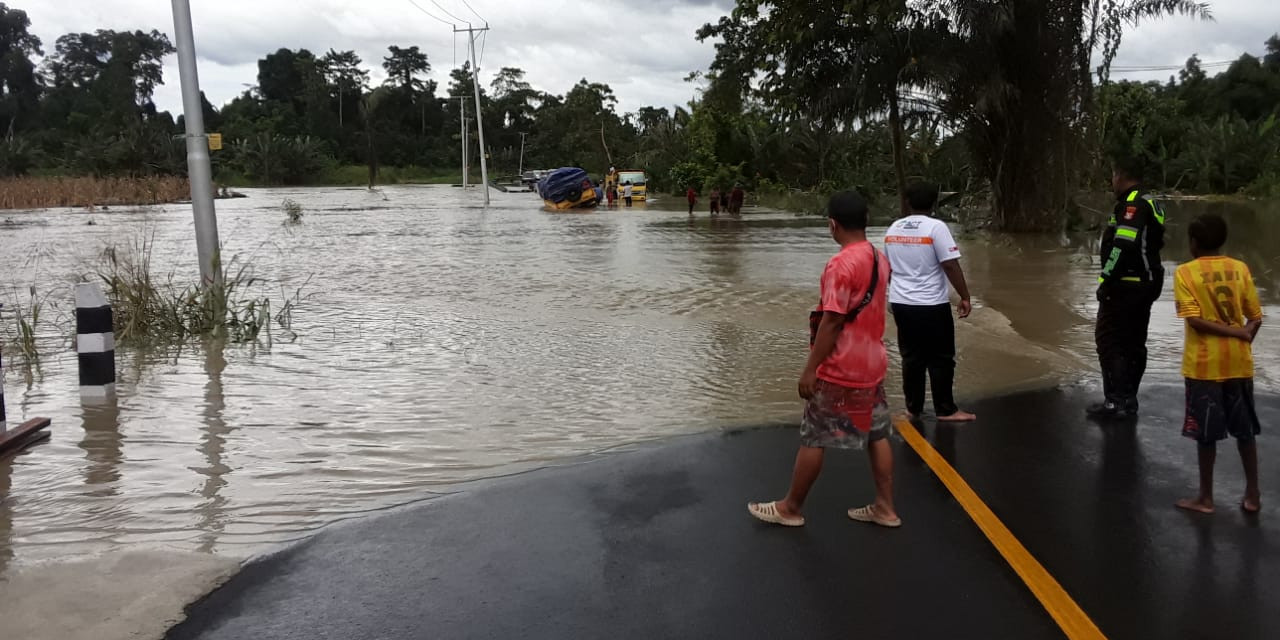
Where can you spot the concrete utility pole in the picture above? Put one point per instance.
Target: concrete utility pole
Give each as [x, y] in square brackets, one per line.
[466, 169]
[198, 170]
[475, 81]
[520, 171]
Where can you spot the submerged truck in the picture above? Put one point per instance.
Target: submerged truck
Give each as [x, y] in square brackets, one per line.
[637, 177]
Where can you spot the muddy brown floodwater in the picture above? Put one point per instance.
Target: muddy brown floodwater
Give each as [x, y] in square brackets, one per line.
[442, 342]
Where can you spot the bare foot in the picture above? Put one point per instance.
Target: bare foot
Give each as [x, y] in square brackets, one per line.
[958, 416]
[1198, 505]
[1251, 504]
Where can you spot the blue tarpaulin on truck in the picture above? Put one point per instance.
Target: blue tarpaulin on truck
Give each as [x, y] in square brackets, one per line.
[563, 184]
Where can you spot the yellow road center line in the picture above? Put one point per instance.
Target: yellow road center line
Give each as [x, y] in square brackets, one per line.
[1075, 623]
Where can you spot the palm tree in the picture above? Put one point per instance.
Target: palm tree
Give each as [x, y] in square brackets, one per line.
[368, 113]
[1020, 84]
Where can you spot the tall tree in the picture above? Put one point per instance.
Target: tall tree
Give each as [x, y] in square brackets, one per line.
[342, 70]
[1022, 88]
[833, 61]
[404, 66]
[281, 74]
[1272, 59]
[19, 86]
[128, 63]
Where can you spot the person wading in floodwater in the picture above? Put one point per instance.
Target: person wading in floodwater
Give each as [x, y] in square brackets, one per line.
[692, 196]
[715, 201]
[924, 257]
[626, 193]
[843, 380]
[736, 198]
[1131, 279]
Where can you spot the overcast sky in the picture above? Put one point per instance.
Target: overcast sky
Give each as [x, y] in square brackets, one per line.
[642, 48]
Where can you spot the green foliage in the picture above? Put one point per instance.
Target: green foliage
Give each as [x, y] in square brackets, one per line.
[1199, 133]
[19, 83]
[992, 97]
[404, 66]
[17, 157]
[1012, 78]
[687, 173]
[275, 159]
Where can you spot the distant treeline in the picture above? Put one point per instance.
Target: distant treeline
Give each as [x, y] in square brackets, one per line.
[932, 89]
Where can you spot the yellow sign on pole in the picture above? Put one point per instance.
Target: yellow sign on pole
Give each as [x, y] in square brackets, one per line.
[215, 141]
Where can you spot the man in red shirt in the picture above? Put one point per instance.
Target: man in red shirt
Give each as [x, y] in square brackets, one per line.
[843, 380]
[693, 198]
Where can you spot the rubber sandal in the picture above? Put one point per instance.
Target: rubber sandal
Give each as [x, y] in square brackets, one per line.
[868, 514]
[768, 512]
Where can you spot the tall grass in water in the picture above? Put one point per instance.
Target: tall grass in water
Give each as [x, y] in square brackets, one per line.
[292, 211]
[43, 192]
[149, 309]
[26, 321]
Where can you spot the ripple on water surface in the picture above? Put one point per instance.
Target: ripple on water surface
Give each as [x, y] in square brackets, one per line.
[440, 342]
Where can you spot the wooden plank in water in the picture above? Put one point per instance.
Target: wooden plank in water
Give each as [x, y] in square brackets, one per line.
[24, 434]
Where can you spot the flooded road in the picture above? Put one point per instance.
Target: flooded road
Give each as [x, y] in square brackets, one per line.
[439, 341]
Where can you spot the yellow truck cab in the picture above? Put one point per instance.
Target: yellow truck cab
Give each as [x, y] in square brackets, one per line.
[639, 183]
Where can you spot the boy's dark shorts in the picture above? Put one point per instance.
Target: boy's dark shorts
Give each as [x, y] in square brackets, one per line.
[841, 417]
[1218, 408]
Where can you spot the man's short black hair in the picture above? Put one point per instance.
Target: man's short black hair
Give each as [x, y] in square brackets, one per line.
[1130, 167]
[922, 196]
[849, 210]
[1209, 231]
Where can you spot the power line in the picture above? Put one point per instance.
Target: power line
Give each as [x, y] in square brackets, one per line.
[468, 5]
[1174, 67]
[446, 12]
[484, 38]
[433, 16]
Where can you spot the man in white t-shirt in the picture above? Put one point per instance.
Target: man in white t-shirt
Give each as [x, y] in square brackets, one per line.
[924, 257]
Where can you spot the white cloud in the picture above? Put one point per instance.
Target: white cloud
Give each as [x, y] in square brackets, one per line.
[1239, 26]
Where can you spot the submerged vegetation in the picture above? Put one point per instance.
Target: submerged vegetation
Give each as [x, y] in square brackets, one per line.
[22, 332]
[150, 308]
[292, 211]
[88, 192]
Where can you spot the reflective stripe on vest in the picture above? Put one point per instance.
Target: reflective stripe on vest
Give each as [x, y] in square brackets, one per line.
[1130, 233]
[1156, 210]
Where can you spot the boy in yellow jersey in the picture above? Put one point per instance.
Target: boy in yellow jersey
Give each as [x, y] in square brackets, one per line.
[1217, 297]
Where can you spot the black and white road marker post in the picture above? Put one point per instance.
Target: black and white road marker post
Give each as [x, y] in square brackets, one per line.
[95, 342]
[3, 425]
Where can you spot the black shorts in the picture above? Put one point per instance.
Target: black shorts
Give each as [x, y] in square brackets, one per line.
[1215, 409]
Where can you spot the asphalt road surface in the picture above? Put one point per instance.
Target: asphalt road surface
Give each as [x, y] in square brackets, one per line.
[657, 543]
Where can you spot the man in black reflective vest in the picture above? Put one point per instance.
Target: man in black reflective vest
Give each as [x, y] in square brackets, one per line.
[1131, 280]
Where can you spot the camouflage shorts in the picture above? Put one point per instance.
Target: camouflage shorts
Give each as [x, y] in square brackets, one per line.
[845, 418]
